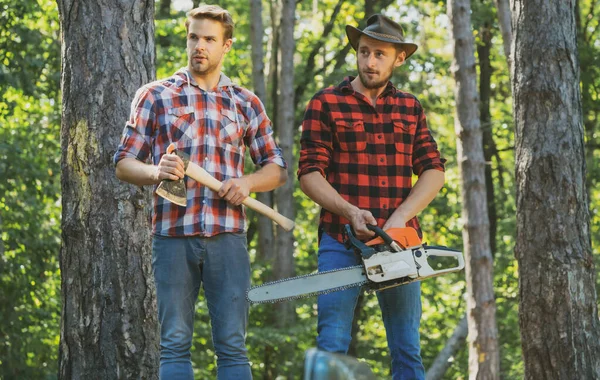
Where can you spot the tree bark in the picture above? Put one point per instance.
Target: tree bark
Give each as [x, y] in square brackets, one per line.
[484, 361]
[284, 196]
[109, 327]
[273, 70]
[558, 313]
[266, 236]
[503, 11]
[489, 145]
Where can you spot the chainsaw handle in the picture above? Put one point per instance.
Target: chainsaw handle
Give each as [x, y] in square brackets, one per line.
[432, 250]
[351, 242]
[387, 239]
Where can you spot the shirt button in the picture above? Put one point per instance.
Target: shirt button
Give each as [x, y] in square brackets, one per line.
[384, 206]
[379, 137]
[383, 182]
[205, 158]
[381, 160]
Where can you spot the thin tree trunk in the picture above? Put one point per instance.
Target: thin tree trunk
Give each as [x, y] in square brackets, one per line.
[109, 327]
[442, 362]
[558, 315]
[309, 69]
[503, 11]
[284, 196]
[164, 9]
[266, 235]
[489, 145]
[484, 361]
[273, 69]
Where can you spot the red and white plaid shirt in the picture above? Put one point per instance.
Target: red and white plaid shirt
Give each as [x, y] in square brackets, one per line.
[367, 153]
[214, 128]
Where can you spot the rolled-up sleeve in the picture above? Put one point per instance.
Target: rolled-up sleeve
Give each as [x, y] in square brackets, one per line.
[137, 134]
[316, 140]
[426, 155]
[259, 138]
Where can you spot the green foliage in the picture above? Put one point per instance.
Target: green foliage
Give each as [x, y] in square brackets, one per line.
[29, 190]
[30, 186]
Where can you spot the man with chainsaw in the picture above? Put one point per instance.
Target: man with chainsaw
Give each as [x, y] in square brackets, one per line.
[361, 142]
[214, 121]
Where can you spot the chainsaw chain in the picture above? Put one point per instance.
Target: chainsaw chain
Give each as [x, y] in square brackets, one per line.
[320, 292]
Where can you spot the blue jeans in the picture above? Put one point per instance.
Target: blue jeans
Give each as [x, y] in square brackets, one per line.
[222, 266]
[400, 308]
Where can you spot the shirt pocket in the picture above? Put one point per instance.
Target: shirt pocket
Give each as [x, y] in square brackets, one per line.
[231, 131]
[350, 135]
[183, 126]
[403, 138]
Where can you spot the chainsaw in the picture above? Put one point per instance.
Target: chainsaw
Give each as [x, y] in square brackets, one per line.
[394, 257]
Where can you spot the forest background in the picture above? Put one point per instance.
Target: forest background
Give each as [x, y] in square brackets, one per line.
[30, 172]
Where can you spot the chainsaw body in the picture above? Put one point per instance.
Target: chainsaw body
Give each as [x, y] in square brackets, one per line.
[395, 257]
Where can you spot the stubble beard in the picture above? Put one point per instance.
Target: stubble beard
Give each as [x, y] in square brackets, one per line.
[371, 84]
[202, 69]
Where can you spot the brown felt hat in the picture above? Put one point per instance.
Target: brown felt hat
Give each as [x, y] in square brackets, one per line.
[381, 28]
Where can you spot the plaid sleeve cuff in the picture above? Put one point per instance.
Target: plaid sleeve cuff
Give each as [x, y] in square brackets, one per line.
[135, 142]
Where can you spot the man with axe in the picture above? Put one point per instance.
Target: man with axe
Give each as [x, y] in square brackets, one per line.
[210, 122]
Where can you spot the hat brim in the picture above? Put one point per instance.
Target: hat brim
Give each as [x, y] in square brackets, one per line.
[354, 34]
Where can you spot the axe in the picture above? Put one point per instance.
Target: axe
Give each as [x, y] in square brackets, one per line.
[175, 191]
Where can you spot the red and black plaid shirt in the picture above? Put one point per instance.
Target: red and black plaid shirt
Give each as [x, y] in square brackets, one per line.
[368, 154]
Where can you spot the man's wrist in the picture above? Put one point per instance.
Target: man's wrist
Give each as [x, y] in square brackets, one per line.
[248, 182]
[348, 210]
[154, 173]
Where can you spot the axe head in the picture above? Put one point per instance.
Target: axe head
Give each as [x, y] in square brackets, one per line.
[175, 191]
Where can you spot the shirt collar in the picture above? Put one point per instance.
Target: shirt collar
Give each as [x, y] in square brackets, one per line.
[224, 80]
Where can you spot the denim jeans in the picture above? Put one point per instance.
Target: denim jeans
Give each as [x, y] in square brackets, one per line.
[400, 308]
[222, 266]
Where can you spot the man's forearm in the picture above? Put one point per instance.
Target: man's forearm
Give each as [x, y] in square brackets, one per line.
[136, 172]
[267, 178]
[319, 190]
[423, 192]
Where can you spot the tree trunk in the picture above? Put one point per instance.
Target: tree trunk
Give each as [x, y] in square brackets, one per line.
[164, 8]
[484, 362]
[284, 196]
[266, 236]
[109, 327]
[273, 70]
[442, 362]
[489, 145]
[503, 11]
[558, 312]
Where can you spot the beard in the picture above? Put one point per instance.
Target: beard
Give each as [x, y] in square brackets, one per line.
[372, 84]
[202, 68]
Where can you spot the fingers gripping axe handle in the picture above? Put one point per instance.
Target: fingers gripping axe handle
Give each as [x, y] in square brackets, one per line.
[202, 176]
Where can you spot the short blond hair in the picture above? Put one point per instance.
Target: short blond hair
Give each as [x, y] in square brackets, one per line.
[212, 12]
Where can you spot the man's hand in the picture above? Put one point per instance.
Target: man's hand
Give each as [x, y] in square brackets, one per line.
[395, 221]
[359, 220]
[170, 167]
[235, 190]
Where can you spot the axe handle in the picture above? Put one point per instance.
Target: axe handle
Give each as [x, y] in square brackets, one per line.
[202, 176]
